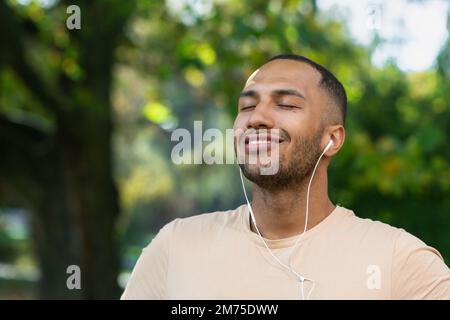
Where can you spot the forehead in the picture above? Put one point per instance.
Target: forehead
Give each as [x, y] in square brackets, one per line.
[284, 73]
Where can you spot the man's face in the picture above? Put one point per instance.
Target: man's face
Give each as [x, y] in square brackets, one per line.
[283, 95]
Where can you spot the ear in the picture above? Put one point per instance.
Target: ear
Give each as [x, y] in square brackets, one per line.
[337, 134]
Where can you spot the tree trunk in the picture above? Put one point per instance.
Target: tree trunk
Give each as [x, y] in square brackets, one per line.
[74, 218]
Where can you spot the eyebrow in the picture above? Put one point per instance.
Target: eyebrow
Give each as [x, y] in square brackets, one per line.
[288, 92]
[278, 92]
[248, 93]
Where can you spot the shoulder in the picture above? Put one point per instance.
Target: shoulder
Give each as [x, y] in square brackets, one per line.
[204, 224]
[368, 230]
[380, 239]
[401, 240]
[418, 270]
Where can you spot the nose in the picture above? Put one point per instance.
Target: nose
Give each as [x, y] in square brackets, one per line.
[261, 117]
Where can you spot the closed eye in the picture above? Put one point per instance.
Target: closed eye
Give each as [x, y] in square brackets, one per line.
[247, 108]
[287, 106]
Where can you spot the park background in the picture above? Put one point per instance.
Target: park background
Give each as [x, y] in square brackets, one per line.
[86, 117]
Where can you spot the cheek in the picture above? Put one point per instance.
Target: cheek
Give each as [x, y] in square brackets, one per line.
[296, 131]
[240, 123]
[297, 125]
[237, 120]
[238, 129]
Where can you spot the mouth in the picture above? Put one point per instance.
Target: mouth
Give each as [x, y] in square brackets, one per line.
[261, 142]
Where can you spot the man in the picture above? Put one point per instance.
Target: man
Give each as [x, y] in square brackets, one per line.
[230, 255]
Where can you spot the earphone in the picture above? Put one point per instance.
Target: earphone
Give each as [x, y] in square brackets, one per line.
[330, 143]
[289, 267]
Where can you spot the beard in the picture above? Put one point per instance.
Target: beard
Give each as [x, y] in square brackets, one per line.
[292, 170]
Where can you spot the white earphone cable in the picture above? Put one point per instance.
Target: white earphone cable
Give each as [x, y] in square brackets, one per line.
[289, 266]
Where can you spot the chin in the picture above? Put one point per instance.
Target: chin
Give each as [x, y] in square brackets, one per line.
[255, 170]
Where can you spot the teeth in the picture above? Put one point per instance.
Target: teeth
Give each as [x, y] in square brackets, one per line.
[258, 142]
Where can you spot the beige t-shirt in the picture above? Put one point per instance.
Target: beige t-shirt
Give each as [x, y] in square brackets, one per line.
[217, 256]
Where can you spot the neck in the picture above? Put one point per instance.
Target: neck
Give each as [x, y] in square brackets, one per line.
[282, 213]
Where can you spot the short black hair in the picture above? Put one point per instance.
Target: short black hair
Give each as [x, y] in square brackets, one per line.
[329, 82]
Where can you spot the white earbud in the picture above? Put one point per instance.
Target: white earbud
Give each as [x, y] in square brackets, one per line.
[328, 146]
